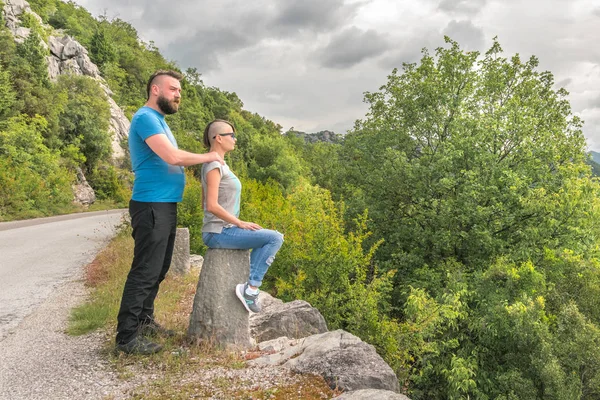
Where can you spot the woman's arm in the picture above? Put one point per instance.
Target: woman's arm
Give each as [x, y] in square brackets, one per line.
[213, 178]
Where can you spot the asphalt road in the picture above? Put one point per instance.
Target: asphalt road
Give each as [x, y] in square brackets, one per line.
[37, 256]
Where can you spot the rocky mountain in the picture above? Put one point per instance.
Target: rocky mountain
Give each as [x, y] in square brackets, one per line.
[67, 56]
[322, 136]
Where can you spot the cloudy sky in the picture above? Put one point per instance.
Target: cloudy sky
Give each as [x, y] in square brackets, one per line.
[306, 64]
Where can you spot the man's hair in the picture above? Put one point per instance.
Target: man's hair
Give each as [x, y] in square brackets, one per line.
[171, 73]
[208, 133]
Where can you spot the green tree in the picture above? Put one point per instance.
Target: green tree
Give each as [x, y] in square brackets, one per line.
[272, 158]
[32, 52]
[7, 94]
[32, 180]
[84, 120]
[102, 50]
[473, 171]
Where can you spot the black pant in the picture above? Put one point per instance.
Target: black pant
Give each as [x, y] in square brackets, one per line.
[154, 227]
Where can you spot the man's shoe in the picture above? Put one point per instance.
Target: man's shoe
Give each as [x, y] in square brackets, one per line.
[250, 301]
[139, 345]
[153, 328]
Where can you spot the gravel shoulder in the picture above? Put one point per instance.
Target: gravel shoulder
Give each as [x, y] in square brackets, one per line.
[40, 361]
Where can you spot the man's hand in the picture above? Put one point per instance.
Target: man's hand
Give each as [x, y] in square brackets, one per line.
[249, 226]
[213, 156]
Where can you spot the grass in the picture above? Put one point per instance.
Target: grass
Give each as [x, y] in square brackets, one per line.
[183, 370]
[99, 205]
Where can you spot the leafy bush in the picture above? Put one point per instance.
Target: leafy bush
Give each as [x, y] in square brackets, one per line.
[32, 179]
[110, 183]
[84, 120]
[190, 213]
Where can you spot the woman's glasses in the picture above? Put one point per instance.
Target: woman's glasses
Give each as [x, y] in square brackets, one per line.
[232, 134]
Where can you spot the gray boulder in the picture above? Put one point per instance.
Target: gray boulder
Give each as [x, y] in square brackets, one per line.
[196, 261]
[119, 126]
[341, 358]
[88, 68]
[218, 317]
[371, 394]
[82, 191]
[56, 46]
[12, 10]
[296, 319]
[16, 7]
[71, 49]
[53, 67]
[21, 33]
[180, 263]
[70, 66]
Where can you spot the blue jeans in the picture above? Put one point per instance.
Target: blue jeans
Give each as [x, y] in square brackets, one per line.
[264, 244]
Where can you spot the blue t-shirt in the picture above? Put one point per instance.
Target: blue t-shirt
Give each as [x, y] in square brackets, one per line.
[155, 180]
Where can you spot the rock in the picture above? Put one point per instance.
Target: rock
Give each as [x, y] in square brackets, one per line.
[56, 46]
[296, 319]
[344, 361]
[87, 66]
[71, 49]
[217, 316]
[12, 23]
[119, 128]
[275, 345]
[70, 67]
[21, 33]
[267, 301]
[196, 261]
[180, 262]
[104, 87]
[12, 10]
[53, 67]
[371, 394]
[69, 57]
[17, 7]
[82, 191]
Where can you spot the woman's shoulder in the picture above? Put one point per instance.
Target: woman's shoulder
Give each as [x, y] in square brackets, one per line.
[207, 167]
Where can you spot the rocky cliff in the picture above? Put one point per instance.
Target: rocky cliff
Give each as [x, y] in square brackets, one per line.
[67, 56]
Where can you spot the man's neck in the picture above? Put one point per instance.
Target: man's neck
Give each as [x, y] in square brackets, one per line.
[154, 106]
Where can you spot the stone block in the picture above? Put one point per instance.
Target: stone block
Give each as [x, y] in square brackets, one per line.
[180, 263]
[218, 317]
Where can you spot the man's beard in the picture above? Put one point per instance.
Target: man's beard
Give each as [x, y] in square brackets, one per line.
[166, 106]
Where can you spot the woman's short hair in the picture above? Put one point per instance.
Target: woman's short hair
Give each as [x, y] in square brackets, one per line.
[208, 133]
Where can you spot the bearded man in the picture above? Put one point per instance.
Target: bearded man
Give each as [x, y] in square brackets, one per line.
[157, 188]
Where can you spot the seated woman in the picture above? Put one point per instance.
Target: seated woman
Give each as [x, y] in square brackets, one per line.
[221, 191]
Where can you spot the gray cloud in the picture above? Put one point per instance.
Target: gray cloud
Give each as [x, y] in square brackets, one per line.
[564, 83]
[265, 50]
[594, 103]
[468, 7]
[409, 49]
[314, 15]
[205, 33]
[468, 36]
[202, 50]
[350, 47]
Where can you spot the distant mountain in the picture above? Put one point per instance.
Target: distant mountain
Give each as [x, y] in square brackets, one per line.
[322, 136]
[595, 163]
